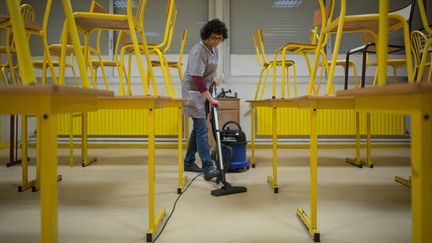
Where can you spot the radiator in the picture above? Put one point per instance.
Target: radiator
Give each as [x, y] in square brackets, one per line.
[122, 123]
[295, 122]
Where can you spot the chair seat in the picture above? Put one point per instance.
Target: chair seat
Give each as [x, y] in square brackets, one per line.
[32, 26]
[279, 63]
[39, 64]
[88, 22]
[297, 47]
[106, 63]
[56, 49]
[170, 64]
[343, 63]
[364, 22]
[3, 49]
[391, 62]
[4, 19]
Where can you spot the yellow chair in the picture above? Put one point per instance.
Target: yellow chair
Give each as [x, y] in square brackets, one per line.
[34, 29]
[158, 49]
[316, 45]
[266, 66]
[87, 22]
[360, 23]
[28, 15]
[427, 44]
[100, 62]
[179, 63]
[342, 63]
[55, 49]
[418, 41]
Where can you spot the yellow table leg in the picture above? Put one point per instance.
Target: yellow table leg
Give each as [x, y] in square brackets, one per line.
[84, 143]
[311, 223]
[421, 164]
[356, 161]
[25, 184]
[252, 136]
[153, 223]
[368, 161]
[181, 179]
[48, 179]
[403, 181]
[273, 180]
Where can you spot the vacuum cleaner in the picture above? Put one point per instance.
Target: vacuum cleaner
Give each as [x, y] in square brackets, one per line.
[236, 140]
[226, 188]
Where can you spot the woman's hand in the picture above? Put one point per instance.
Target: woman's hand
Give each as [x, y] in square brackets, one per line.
[214, 103]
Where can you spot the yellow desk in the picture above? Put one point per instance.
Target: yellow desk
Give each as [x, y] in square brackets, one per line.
[273, 103]
[415, 100]
[47, 102]
[151, 103]
[315, 103]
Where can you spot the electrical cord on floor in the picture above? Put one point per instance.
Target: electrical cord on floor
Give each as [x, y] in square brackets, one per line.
[175, 203]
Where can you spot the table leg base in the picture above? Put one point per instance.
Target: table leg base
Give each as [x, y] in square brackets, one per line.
[313, 232]
[151, 232]
[36, 187]
[180, 188]
[89, 162]
[354, 162]
[403, 181]
[26, 186]
[273, 184]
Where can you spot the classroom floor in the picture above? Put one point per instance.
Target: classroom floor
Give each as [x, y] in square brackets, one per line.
[107, 201]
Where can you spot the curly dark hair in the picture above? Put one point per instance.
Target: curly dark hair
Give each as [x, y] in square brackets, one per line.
[214, 26]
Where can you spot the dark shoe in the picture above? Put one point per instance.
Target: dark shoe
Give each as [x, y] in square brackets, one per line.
[211, 174]
[193, 168]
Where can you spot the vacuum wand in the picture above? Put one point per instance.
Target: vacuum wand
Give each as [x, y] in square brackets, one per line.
[226, 188]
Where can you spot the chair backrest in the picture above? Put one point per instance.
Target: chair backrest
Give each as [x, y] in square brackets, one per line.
[407, 12]
[139, 14]
[46, 15]
[259, 46]
[28, 13]
[182, 46]
[171, 13]
[171, 31]
[424, 17]
[96, 7]
[418, 40]
[326, 10]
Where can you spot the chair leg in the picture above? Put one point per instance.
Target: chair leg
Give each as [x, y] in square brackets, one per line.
[355, 76]
[3, 74]
[259, 83]
[74, 76]
[295, 80]
[48, 59]
[265, 81]
[430, 72]
[180, 72]
[375, 77]
[394, 75]
[71, 142]
[288, 83]
[121, 86]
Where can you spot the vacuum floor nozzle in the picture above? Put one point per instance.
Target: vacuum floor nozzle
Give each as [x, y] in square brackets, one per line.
[223, 191]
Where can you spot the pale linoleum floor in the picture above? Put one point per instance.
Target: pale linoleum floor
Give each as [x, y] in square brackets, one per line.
[108, 201]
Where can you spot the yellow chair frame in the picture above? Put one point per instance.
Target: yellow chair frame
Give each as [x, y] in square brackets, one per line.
[419, 41]
[266, 66]
[87, 22]
[317, 45]
[360, 23]
[158, 49]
